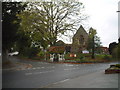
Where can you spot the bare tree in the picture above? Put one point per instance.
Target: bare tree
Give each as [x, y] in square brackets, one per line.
[49, 20]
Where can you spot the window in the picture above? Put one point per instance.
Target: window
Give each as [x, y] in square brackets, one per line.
[81, 40]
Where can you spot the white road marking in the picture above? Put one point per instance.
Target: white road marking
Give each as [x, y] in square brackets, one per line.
[68, 65]
[38, 68]
[39, 72]
[61, 81]
[64, 80]
[33, 68]
[71, 68]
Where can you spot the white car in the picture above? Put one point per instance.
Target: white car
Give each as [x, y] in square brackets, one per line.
[13, 53]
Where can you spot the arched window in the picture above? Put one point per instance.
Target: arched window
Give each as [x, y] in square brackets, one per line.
[81, 40]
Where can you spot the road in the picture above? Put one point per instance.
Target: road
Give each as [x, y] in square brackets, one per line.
[44, 75]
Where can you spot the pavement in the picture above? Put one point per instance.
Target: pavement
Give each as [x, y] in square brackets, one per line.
[18, 66]
[93, 80]
[15, 64]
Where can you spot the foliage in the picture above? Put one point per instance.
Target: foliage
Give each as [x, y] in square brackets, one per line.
[103, 57]
[60, 43]
[79, 56]
[10, 22]
[112, 46]
[117, 65]
[118, 50]
[107, 57]
[41, 53]
[93, 42]
[72, 61]
[10, 25]
[114, 49]
[23, 39]
[30, 52]
[46, 21]
[67, 57]
[86, 58]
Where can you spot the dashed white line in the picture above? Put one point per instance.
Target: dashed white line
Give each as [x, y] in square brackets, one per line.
[71, 69]
[61, 81]
[42, 67]
[38, 68]
[68, 65]
[39, 72]
[64, 80]
[33, 68]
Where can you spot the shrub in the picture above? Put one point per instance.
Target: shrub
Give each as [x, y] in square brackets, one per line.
[69, 61]
[41, 53]
[107, 57]
[117, 65]
[82, 58]
[30, 52]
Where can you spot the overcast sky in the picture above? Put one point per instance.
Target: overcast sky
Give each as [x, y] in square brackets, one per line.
[104, 18]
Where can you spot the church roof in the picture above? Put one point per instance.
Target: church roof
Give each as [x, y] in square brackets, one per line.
[80, 31]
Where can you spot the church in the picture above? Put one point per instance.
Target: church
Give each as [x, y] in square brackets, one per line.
[79, 44]
[80, 40]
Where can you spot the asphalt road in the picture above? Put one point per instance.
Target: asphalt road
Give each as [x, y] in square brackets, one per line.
[46, 74]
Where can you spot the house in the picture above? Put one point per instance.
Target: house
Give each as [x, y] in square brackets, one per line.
[104, 50]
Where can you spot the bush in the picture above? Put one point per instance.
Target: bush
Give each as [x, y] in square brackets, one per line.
[107, 57]
[117, 65]
[30, 52]
[41, 53]
[69, 61]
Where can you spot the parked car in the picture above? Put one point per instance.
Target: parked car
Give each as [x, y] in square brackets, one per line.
[13, 53]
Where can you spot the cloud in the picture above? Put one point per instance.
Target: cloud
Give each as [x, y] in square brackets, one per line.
[103, 18]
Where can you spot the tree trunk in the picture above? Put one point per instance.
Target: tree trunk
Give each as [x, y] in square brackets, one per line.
[5, 57]
[93, 49]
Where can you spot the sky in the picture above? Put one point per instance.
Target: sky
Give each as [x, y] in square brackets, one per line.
[104, 18]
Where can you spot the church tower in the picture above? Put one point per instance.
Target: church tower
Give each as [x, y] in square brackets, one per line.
[80, 40]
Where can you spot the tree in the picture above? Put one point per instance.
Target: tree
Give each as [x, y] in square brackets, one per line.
[10, 24]
[112, 46]
[114, 49]
[46, 21]
[93, 42]
[25, 39]
[119, 40]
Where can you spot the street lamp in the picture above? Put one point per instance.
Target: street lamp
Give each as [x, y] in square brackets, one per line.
[118, 24]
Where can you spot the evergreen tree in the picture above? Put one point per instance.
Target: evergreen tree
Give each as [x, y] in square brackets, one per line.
[10, 25]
